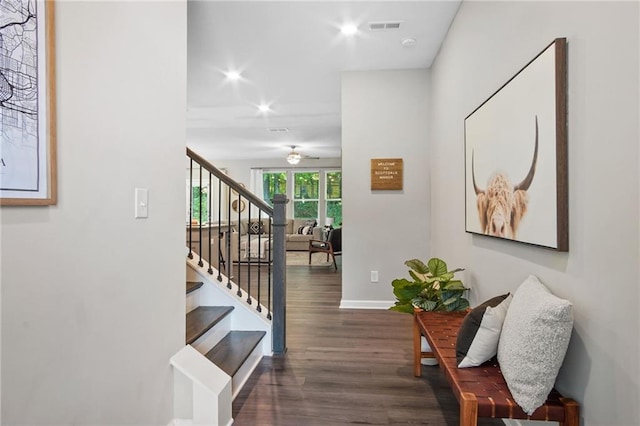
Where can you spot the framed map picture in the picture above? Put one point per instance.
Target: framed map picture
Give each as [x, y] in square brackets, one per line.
[27, 103]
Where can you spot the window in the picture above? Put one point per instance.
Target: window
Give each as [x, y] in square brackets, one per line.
[333, 198]
[197, 190]
[200, 204]
[305, 195]
[273, 183]
[314, 194]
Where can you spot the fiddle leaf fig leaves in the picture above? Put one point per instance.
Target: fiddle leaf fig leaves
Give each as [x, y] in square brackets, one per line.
[418, 266]
[437, 267]
[432, 288]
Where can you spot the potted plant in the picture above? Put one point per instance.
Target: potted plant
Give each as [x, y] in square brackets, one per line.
[432, 288]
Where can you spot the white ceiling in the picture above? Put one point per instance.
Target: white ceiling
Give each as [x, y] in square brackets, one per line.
[291, 55]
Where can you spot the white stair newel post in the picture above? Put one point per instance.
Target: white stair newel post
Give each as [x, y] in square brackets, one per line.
[202, 391]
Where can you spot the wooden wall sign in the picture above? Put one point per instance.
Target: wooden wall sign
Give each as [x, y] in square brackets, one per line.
[386, 174]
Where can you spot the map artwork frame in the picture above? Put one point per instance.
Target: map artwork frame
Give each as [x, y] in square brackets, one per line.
[28, 174]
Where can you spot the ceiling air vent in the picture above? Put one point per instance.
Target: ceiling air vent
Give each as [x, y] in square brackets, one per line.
[278, 129]
[387, 25]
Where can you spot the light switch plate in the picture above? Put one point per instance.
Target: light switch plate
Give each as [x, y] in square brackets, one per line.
[142, 203]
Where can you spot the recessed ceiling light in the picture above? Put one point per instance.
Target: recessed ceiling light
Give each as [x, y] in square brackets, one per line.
[264, 108]
[232, 75]
[349, 29]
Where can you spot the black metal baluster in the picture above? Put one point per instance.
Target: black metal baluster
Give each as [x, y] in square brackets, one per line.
[267, 255]
[209, 224]
[269, 275]
[250, 255]
[190, 255]
[239, 292]
[220, 233]
[200, 263]
[230, 236]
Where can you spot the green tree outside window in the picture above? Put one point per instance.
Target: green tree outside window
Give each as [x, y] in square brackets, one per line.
[334, 197]
[273, 183]
[197, 194]
[306, 190]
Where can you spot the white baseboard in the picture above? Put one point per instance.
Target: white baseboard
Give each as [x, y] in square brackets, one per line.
[180, 422]
[188, 422]
[365, 304]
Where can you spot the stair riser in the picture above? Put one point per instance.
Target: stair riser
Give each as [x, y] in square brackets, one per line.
[243, 374]
[213, 336]
[193, 300]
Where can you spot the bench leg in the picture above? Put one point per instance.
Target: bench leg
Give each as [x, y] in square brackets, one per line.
[571, 412]
[417, 349]
[468, 409]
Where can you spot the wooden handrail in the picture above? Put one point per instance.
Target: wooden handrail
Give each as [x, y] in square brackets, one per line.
[244, 192]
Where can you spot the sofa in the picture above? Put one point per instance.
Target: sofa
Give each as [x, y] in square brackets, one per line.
[298, 232]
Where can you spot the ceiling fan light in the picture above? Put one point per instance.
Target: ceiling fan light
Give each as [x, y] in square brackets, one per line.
[293, 157]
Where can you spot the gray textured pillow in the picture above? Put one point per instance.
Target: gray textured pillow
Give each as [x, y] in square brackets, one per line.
[534, 340]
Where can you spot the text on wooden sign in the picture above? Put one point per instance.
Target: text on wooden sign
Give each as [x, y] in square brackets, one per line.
[386, 174]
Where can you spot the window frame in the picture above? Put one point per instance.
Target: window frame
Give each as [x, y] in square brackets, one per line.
[295, 200]
[322, 195]
[327, 199]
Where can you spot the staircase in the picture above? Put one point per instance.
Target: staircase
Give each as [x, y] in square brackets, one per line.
[218, 206]
[230, 325]
[225, 341]
[236, 352]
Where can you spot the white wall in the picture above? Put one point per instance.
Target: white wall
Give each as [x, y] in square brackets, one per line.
[487, 43]
[384, 115]
[93, 299]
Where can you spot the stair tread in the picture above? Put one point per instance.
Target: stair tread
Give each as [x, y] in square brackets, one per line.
[193, 286]
[234, 349]
[203, 318]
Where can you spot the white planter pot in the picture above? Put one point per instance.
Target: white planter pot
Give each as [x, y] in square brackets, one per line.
[424, 347]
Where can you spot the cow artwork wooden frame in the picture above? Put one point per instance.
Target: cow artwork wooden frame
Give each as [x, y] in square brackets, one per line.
[516, 156]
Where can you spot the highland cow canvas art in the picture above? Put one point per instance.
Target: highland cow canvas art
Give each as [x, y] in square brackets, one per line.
[516, 156]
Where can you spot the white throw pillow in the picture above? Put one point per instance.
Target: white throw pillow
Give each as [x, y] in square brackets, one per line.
[534, 340]
[485, 333]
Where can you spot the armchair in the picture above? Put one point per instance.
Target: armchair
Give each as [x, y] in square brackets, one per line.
[332, 246]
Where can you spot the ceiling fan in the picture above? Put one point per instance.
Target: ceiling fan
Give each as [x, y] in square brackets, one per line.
[294, 157]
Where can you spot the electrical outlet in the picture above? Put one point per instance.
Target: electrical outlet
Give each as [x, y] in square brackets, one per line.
[374, 276]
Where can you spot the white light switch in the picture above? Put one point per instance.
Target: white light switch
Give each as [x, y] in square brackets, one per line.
[374, 276]
[142, 203]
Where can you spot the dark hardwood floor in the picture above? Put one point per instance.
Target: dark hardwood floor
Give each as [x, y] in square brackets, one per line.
[343, 366]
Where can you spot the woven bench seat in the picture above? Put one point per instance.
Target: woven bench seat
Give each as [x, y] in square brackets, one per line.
[481, 391]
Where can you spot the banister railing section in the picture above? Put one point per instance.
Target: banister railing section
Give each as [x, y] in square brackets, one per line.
[242, 237]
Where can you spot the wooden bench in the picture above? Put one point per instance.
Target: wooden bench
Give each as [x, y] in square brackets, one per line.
[481, 391]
